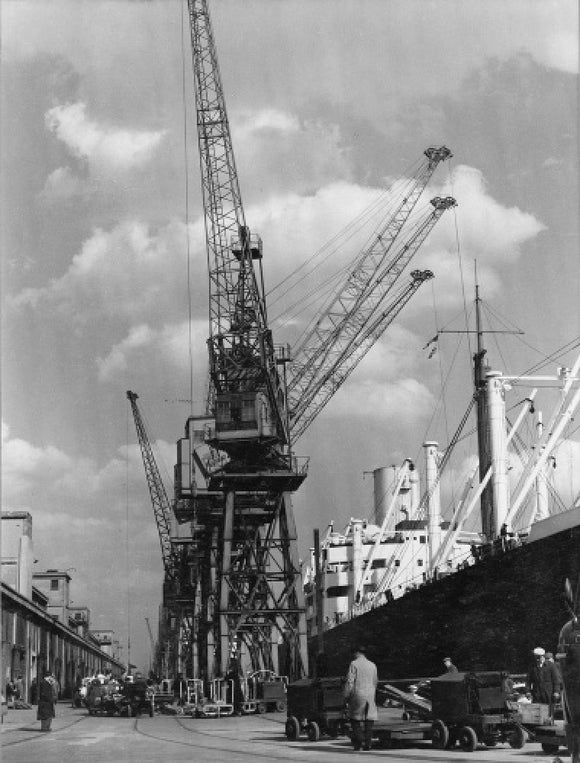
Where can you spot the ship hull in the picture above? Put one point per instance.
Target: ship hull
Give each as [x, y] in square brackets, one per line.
[487, 616]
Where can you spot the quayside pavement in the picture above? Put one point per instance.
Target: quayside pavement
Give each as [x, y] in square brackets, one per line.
[79, 738]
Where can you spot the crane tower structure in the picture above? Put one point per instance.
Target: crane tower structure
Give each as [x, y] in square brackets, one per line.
[236, 470]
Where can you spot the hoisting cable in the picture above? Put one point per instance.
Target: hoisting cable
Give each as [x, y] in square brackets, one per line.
[187, 236]
[357, 223]
[127, 567]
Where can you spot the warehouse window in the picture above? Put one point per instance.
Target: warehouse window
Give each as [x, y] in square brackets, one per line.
[54, 584]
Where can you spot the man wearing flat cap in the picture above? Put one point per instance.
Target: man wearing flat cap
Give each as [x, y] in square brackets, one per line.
[449, 666]
[544, 680]
[359, 692]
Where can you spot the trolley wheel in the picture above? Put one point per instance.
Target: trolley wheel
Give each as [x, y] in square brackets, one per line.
[516, 738]
[452, 739]
[292, 728]
[550, 748]
[261, 708]
[313, 731]
[439, 735]
[467, 739]
[280, 706]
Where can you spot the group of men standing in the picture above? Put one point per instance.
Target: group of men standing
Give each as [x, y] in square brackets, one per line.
[544, 683]
[544, 678]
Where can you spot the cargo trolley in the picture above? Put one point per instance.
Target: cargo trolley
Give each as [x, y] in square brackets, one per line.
[316, 706]
[472, 708]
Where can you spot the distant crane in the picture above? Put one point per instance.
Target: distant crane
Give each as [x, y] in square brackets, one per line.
[177, 590]
[161, 505]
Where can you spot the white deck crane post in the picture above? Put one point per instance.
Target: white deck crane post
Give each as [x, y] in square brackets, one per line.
[258, 602]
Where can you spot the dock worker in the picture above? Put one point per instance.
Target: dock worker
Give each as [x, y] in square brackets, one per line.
[359, 692]
[544, 680]
[449, 666]
[46, 701]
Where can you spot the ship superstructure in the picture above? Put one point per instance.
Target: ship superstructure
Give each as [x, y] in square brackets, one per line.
[377, 571]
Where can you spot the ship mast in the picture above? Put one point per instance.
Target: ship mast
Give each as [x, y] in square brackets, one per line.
[483, 436]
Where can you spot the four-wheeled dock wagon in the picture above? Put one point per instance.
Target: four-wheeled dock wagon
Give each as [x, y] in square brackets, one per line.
[317, 706]
[472, 708]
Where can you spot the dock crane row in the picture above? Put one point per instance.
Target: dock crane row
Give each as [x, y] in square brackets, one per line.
[233, 588]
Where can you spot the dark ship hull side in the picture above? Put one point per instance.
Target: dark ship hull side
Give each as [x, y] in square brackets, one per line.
[486, 617]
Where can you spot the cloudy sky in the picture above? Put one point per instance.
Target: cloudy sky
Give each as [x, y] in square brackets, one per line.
[329, 101]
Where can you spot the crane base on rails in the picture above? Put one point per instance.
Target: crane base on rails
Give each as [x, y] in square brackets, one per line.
[248, 606]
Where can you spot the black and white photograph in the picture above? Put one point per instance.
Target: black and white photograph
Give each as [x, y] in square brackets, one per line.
[290, 380]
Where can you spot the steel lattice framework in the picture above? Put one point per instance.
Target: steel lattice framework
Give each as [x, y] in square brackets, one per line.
[161, 506]
[241, 349]
[349, 302]
[251, 593]
[344, 336]
[332, 377]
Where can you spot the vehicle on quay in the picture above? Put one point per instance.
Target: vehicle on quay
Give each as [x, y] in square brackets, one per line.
[472, 709]
[130, 698]
[316, 706]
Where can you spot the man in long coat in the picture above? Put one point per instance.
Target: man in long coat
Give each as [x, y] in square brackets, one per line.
[359, 691]
[544, 680]
[46, 700]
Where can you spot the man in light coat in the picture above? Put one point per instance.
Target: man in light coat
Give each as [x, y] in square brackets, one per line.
[359, 691]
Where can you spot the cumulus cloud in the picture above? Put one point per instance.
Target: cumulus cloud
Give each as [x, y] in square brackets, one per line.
[294, 154]
[103, 146]
[560, 50]
[374, 400]
[168, 344]
[488, 230]
[128, 272]
[62, 185]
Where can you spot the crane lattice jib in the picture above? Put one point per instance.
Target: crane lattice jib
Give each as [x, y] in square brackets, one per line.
[343, 345]
[159, 499]
[335, 376]
[362, 274]
[241, 349]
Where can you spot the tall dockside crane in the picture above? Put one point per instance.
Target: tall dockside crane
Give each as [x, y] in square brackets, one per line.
[236, 470]
[253, 600]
